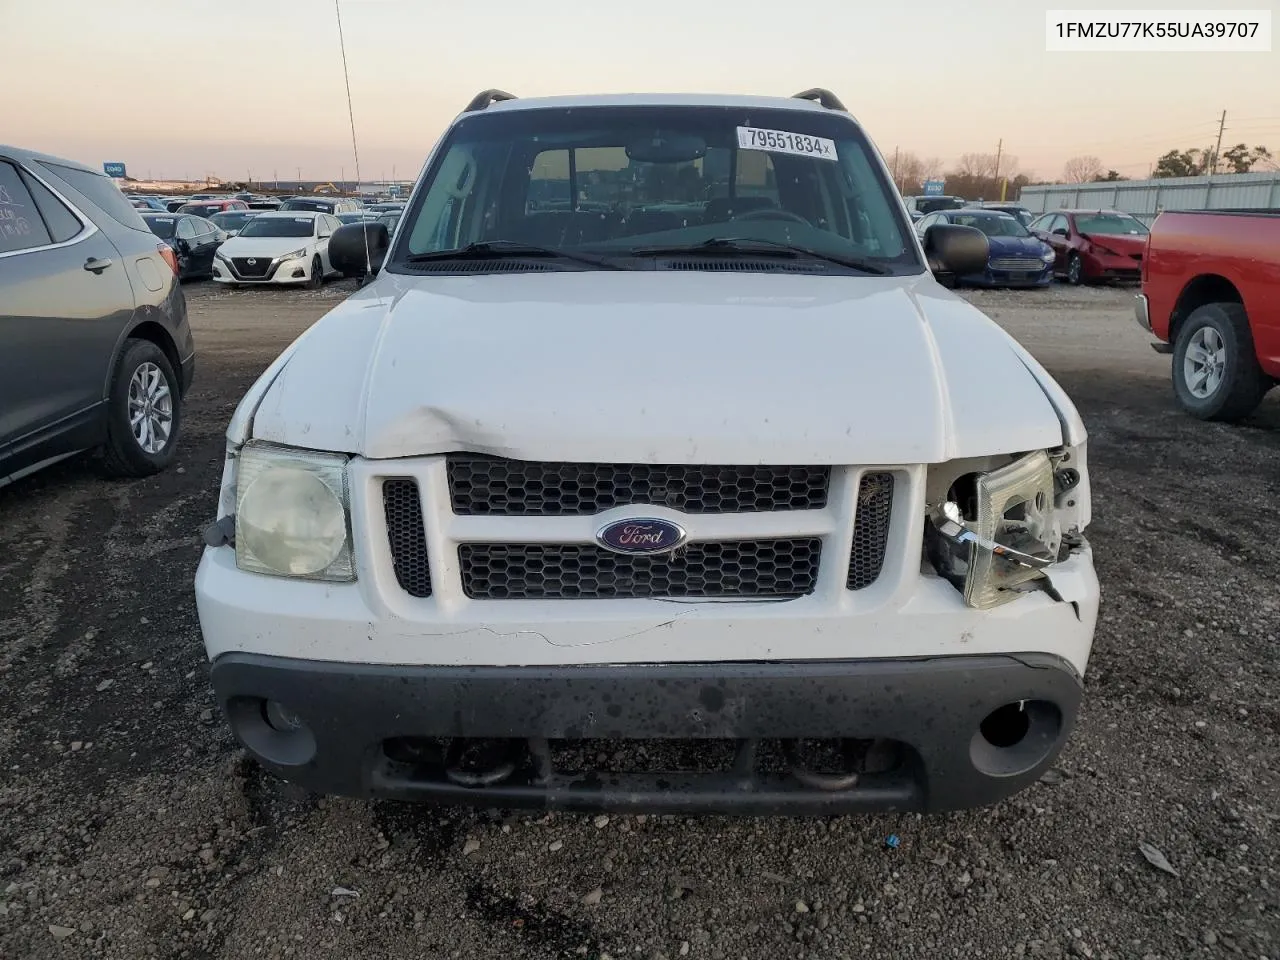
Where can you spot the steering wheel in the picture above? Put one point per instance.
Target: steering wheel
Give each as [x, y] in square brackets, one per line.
[772, 213]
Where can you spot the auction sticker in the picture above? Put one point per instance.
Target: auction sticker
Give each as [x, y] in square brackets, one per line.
[781, 141]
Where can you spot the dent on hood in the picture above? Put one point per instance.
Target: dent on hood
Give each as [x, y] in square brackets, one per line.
[546, 367]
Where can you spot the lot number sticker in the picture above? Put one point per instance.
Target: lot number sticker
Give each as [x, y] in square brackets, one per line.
[780, 141]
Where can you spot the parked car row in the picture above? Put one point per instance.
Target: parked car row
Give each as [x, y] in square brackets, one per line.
[1015, 258]
[1080, 246]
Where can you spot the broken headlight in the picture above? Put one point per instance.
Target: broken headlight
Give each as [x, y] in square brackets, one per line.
[997, 531]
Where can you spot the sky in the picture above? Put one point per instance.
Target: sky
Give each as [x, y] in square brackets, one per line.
[254, 88]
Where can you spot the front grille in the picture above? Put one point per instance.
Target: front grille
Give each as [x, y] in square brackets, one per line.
[518, 488]
[402, 506]
[259, 267]
[1017, 263]
[779, 569]
[871, 529]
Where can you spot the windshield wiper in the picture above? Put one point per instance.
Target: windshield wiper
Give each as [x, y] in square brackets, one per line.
[499, 249]
[759, 247]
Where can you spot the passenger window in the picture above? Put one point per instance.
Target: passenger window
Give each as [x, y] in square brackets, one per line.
[549, 182]
[756, 177]
[62, 223]
[186, 229]
[21, 226]
[100, 191]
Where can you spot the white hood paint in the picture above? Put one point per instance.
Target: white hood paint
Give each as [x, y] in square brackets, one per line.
[267, 247]
[664, 368]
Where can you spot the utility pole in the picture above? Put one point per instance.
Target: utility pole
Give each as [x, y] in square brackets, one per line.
[1213, 162]
[999, 151]
[299, 178]
[895, 169]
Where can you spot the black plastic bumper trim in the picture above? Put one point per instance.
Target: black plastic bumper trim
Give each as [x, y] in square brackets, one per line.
[933, 706]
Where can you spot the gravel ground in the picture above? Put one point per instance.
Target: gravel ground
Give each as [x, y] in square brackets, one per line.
[131, 827]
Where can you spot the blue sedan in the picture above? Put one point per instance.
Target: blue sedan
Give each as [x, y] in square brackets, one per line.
[1016, 258]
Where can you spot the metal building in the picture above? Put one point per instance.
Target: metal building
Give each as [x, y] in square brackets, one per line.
[1145, 198]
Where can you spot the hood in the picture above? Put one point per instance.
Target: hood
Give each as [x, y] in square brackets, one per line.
[1124, 244]
[238, 246]
[1016, 246]
[661, 368]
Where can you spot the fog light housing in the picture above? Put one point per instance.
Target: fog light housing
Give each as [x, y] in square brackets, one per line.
[281, 718]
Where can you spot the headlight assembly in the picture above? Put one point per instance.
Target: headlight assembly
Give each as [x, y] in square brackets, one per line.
[1005, 535]
[291, 515]
[1048, 256]
[295, 255]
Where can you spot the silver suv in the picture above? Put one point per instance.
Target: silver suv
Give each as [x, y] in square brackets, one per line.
[95, 349]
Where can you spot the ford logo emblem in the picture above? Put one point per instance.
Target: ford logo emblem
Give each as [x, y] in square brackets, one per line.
[641, 535]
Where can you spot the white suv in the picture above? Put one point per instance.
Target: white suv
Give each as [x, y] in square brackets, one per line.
[653, 425]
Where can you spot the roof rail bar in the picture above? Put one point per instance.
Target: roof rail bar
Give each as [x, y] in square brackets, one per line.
[486, 97]
[824, 97]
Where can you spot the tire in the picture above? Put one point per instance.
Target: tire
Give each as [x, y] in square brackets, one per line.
[316, 281]
[1075, 270]
[1221, 329]
[123, 454]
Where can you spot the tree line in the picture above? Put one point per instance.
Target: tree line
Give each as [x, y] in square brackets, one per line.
[982, 176]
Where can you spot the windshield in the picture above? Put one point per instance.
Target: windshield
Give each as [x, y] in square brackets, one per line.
[323, 206]
[1110, 224]
[200, 209]
[992, 224]
[279, 227]
[231, 221]
[617, 179]
[934, 204]
[162, 227]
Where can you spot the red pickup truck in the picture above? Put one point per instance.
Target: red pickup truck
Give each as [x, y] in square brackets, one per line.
[1211, 295]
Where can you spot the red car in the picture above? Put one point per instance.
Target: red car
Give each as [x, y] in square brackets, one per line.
[1209, 294]
[1093, 245]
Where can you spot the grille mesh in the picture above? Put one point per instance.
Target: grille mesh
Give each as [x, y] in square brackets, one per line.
[403, 508]
[746, 568]
[871, 529]
[260, 267]
[1017, 263]
[517, 488]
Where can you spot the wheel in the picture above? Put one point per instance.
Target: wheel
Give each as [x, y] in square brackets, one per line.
[1075, 269]
[316, 280]
[1215, 370]
[144, 412]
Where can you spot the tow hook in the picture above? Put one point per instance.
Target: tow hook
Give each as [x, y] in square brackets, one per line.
[474, 762]
[821, 781]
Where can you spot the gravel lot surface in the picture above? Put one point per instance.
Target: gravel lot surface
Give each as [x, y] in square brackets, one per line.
[131, 827]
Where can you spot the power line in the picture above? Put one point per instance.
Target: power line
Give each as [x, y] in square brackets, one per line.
[351, 114]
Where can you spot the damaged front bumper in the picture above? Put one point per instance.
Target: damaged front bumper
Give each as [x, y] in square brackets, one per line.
[928, 734]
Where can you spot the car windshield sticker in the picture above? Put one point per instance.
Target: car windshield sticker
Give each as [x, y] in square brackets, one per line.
[162, 219]
[302, 219]
[781, 141]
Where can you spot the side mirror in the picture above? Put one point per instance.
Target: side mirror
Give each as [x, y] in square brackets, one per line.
[183, 246]
[1060, 232]
[357, 249]
[953, 250]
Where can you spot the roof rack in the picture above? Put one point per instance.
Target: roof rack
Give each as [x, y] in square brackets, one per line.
[824, 97]
[486, 97]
